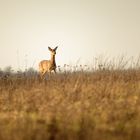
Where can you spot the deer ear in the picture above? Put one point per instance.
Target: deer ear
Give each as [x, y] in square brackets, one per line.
[49, 49]
[55, 48]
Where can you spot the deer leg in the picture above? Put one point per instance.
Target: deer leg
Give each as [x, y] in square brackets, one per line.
[43, 74]
[49, 73]
[55, 71]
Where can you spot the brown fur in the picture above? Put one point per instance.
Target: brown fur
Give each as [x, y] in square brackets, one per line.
[46, 66]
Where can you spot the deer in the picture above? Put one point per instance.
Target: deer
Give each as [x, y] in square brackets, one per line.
[46, 66]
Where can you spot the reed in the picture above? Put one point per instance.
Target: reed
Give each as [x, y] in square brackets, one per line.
[79, 104]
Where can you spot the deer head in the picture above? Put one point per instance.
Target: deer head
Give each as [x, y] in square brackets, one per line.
[53, 51]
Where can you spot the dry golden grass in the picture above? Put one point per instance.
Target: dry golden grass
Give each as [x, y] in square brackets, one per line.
[96, 105]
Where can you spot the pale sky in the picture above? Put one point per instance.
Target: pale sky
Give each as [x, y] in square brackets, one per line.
[82, 30]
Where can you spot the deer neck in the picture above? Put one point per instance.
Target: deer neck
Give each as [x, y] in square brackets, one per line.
[52, 59]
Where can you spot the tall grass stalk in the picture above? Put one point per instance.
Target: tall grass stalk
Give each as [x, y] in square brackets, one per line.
[102, 102]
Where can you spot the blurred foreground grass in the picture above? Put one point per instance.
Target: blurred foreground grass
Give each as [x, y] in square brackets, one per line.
[79, 105]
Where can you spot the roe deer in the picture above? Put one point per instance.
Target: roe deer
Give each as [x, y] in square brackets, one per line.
[48, 65]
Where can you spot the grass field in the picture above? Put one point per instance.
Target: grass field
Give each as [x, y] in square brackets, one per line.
[102, 104]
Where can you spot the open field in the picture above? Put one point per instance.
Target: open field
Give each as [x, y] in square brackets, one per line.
[79, 105]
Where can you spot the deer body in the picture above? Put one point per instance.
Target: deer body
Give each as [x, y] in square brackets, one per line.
[46, 66]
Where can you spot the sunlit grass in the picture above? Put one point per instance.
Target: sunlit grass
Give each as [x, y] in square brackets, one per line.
[78, 103]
